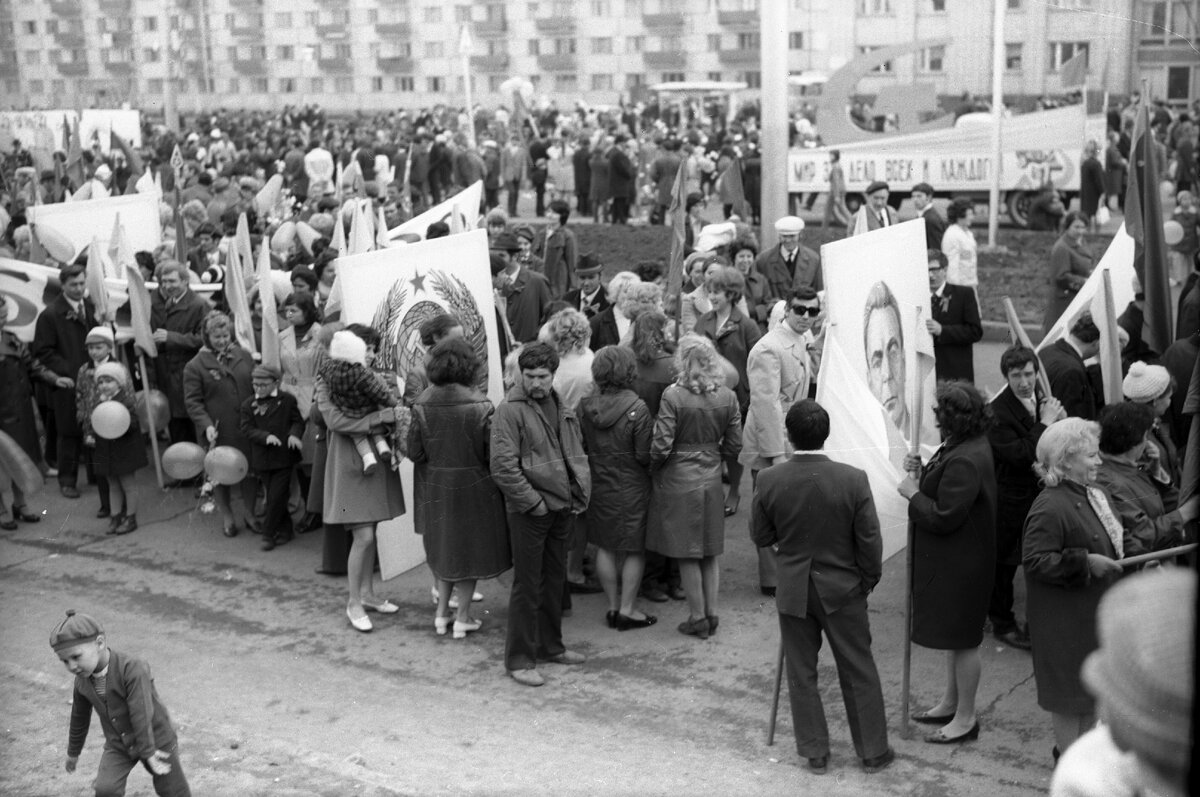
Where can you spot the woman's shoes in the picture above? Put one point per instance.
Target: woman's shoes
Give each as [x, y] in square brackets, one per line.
[461, 629]
[696, 628]
[230, 530]
[939, 736]
[476, 597]
[25, 516]
[732, 508]
[713, 621]
[384, 606]
[440, 624]
[114, 522]
[360, 623]
[610, 618]
[625, 623]
[676, 593]
[925, 718]
[8, 525]
[103, 513]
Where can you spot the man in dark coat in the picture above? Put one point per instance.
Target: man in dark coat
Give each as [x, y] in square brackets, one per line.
[955, 324]
[1091, 181]
[589, 298]
[825, 576]
[1021, 415]
[583, 176]
[662, 176]
[526, 292]
[622, 174]
[1068, 376]
[539, 170]
[176, 316]
[789, 265]
[935, 225]
[58, 343]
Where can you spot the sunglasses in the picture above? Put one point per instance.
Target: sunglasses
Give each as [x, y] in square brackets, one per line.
[803, 309]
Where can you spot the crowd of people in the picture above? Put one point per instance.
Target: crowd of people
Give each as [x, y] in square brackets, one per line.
[629, 414]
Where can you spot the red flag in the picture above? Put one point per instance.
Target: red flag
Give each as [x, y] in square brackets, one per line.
[139, 311]
[270, 314]
[97, 291]
[735, 189]
[235, 295]
[74, 167]
[1073, 72]
[1144, 223]
[677, 214]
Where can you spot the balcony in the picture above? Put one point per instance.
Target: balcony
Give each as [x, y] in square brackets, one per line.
[247, 31]
[333, 30]
[491, 27]
[737, 18]
[71, 39]
[672, 21]
[73, 68]
[341, 66]
[739, 57]
[250, 66]
[665, 60]
[249, 5]
[122, 38]
[66, 8]
[490, 63]
[555, 25]
[116, 8]
[564, 62]
[394, 65]
[119, 67]
[399, 29]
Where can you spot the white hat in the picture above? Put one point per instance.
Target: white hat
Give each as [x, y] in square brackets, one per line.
[713, 236]
[99, 335]
[1144, 383]
[214, 133]
[102, 171]
[789, 225]
[347, 347]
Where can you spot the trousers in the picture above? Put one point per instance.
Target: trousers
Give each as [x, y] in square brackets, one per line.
[849, 633]
[539, 554]
[116, 764]
[277, 521]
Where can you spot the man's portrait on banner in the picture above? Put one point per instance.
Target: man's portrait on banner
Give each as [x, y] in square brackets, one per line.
[883, 342]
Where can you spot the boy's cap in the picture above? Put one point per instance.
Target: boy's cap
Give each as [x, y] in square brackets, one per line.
[99, 335]
[264, 372]
[74, 630]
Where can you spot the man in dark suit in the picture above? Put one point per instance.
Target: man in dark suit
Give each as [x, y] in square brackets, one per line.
[935, 225]
[589, 298]
[1068, 376]
[59, 343]
[876, 213]
[526, 292]
[1021, 415]
[826, 571]
[176, 316]
[790, 265]
[955, 323]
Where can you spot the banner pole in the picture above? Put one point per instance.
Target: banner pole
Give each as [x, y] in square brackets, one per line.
[1166, 553]
[906, 677]
[1018, 334]
[775, 696]
[150, 421]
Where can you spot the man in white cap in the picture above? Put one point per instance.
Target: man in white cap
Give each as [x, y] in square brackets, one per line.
[789, 265]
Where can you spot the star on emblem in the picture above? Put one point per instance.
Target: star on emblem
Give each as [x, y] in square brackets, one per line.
[418, 281]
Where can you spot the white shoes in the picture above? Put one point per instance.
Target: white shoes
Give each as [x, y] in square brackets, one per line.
[462, 629]
[440, 624]
[384, 606]
[360, 623]
[433, 592]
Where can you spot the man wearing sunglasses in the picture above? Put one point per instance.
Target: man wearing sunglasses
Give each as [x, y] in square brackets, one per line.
[953, 322]
[779, 370]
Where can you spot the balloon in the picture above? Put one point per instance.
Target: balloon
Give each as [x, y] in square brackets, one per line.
[19, 467]
[57, 245]
[110, 419]
[731, 374]
[226, 465]
[183, 460]
[1172, 232]
[161, 407]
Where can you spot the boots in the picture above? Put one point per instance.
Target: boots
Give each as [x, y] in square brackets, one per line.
[114, 522]
[127, 524]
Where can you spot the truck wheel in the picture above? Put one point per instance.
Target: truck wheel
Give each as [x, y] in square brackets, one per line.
[1018, 203]
[853, 203]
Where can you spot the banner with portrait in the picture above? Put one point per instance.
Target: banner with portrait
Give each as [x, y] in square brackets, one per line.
[877, 378]
[395, 290]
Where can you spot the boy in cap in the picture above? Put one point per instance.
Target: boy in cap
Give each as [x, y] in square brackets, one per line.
[272, 422]
[121, 690]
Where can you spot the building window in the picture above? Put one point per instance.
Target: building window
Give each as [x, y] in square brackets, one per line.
[634, 79]
[714, 42]
[462, 14]
[343, 85]
[433, 49]
[1178, 83]
[749, 41]
[151, 55]
[155, 86]
[287, 85]
[1014, 5]
[494, 13]
[494, 82]
[317, 85]
[435, 85]
[33, 57]
[938, 6]
[312, 19]
[432, 14]
[405, 83]
[372, 16]
[670, 44]
[715, 77]
[1061, 52]
[884, 69]
[536, 80]
[868, 8]
[602, 45]
[635, 44]
[60, 86]
[602, 82]
[933, 59]
[260, 85]
[753, 79]
[535, 46]
[564, 46]
[601, 8]
[1012, 56]
[497, 46]
[150, 24]
[285, 52]
[531, 9]
[36, 87]
[566, 82]
[673, 77]
[51, 26]
[31, 26]
[377, 84]
[796, 40]
[633, 8]
[562, 8]
[283, 20]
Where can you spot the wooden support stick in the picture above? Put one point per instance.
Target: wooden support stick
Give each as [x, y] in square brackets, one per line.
[150, 421]
[1166, 553]
[775, 696]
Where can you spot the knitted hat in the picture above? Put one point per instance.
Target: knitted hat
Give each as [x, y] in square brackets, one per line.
[114, 371]
[74, 630]
[264, 372]
[1144, 382]
[99, 335]
[789, 225]
[348, 347]
[1142, 672]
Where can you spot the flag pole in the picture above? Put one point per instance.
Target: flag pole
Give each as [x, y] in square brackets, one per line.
[1110, 346]
[914, 449]
[150, 420]
[997, 118]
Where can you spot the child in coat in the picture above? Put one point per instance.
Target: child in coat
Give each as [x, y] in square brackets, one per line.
[136, 725]
[117, 459]
[100, 344]
[358, 391]
[272, 422]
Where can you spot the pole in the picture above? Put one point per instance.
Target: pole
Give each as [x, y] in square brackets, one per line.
[150, 421]
[1166, 553]
[997, 116]
[773, 32]
[906, 676]
[1019, 335]
[169, 111]
[775, 696]
[464, 52]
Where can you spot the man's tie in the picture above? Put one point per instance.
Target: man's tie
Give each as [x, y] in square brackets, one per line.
[882, 219]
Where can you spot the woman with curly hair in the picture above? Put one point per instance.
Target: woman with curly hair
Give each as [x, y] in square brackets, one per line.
[958, 244]
[698, 427]
[953, 513]
[569, 332]
[638, 298]
[743, 252]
